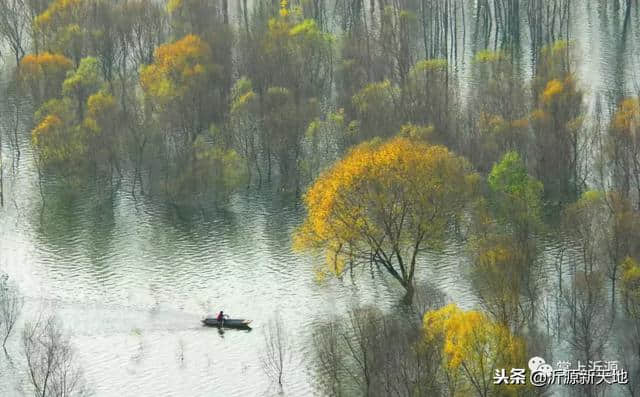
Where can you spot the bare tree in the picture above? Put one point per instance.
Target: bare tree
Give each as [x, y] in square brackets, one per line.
[369, 353]
[328, 357]
[629, 350]
[428, 297]
[277, 355]
[10, 307]
[51, 362]
[14, 22]
[588, 323]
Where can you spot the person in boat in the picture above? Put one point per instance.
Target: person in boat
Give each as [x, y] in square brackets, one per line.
[221, 317]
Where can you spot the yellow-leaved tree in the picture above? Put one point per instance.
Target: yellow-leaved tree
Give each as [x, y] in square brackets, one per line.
[63, 27]
[178, 83]
[473, 348]
[384, 203]
[631, 288]
[557, 123]
[59, 143]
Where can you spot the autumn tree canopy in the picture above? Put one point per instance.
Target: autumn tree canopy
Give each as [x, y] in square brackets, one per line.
[179, 84]
[473, 347]
[557, 122]
[43, 74]
[385, 202]
[506, 270]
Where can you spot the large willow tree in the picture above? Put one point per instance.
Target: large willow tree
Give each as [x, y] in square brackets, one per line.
[384, 203]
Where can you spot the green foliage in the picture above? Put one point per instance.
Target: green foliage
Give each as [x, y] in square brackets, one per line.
[62, 27]
[510, 176]
[517, 197]
[375, 97]
[488, 56]
[61, 145]
[427, 97]
[375, 106]
[84, 81]
[212, 173]
[417, 132]
[80, 129]
[242, 96]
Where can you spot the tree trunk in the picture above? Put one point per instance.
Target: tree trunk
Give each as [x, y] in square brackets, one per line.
[245, 16]
[613, 296]
[409, 292]
[225, 11]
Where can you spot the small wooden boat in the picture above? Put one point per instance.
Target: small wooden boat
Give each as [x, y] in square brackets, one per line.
[227, 323]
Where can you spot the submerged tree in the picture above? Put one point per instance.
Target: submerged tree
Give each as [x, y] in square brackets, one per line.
[623, 149]
[177, 83]
[14, 23]
[10, 307]
[277, 357]
[367, 352]
[384, 203]
[73, 132]
[607, 229]
[42, 75]
[63, 27]
[428, 98]
[293, 79]
[51, 361]
[60, 143]
[516, 197]
[631, 351]
[557, 123]
[473, 348]
[81, 83]
[498, 280]
[515, 201]
[498, 109]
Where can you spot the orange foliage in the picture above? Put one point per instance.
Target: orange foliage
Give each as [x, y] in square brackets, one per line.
[45, 65]
[178, 68]
[45, 62]
[50, 123]
[44, 73]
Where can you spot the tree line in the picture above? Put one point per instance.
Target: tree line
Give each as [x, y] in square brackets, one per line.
[190, 99]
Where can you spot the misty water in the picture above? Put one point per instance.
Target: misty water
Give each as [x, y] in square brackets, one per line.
[131, 276]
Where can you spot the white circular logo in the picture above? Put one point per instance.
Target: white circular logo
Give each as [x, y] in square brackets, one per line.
[535, 363]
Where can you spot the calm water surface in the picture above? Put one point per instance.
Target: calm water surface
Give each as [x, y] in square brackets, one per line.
[132, 279]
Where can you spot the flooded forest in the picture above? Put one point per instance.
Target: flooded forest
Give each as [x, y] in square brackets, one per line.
[405, 197]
